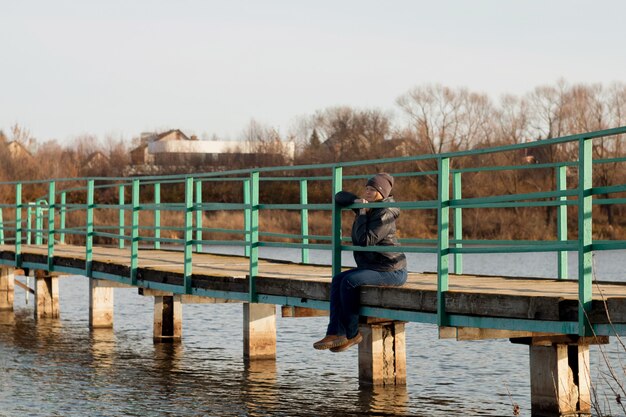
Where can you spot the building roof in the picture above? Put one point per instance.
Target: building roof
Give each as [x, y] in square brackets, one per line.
[16, 149]
[173, 134]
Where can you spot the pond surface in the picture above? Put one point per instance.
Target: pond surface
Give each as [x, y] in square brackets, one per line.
[60, 368]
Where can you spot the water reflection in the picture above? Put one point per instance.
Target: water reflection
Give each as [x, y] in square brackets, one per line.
[387, 400]
[102, 346]
[167, 358]
[260, 392]
[60, 367]
[48, 335]
[7, 317]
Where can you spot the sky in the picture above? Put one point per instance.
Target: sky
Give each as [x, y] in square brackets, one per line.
[116, 68]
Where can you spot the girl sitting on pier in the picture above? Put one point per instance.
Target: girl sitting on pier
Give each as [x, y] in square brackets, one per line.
[371, 227]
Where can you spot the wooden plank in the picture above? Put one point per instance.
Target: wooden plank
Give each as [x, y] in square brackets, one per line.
[473, 333]
[185, 298]
[503, 297]
[446, 332]
[562, 340]
[196, 299]
[291, 311]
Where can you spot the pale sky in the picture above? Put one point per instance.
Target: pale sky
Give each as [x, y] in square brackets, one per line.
[120, 67]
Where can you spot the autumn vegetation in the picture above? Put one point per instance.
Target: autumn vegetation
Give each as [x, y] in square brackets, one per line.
[428, 119]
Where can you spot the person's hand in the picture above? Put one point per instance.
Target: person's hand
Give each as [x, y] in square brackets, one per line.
[362, 201]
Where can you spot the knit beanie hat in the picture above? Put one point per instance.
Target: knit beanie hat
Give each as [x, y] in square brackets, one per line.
[383, 183]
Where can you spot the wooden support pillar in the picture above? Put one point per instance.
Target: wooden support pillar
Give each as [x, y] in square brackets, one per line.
[382, 353]
[168, 319]
[259, 331]
[100, 304]
[46, 295]
[7, 289]
[560, 379]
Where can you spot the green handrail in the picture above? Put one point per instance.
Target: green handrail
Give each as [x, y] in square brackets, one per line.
[89, 228]
[157, 216]
[62, 214]
[443, 238]
[198, 213]
[254, 236]
[561, 220]
[304, 220]
[458, 223]
[336, 221]
[78, 219]
[188, 249]
[585, 273]
[120, 215]
[1, 227]
[134, 233]
[51, 230]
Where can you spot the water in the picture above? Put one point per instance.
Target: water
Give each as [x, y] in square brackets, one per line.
[60, 368]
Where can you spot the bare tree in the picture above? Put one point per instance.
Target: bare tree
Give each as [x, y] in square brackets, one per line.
[23, 136]
[448, 120]
[513, 120]
[344, 133]
[264, 145]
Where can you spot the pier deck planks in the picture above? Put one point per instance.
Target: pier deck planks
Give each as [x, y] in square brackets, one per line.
[489, 296]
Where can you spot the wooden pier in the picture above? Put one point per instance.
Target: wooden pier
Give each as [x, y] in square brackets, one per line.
[491, 297]
[142, 217]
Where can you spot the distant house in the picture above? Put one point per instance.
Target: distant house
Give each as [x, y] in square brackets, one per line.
[96, 160]
[175, 150]
[140, 155]
[18, 151]
[144, 154]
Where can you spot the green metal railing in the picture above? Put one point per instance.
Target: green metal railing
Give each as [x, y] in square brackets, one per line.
[146, 216]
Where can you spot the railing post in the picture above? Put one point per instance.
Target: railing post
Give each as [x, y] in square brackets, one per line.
[304, 220]
[337, 178]
[29, 223]
[585, 271]
[62, 212]
[51, 208]
[254, 236]
[157, 215]
[188, 234]
[246, 215]
[134, 232]
[89, 229]
[561, 221]
[1, 228]
[458, 223]
[443, 238]
[18, 225]
[120, 214]
[38, 223]
[198, 210]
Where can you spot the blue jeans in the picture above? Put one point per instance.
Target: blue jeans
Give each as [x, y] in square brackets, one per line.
[345, 297]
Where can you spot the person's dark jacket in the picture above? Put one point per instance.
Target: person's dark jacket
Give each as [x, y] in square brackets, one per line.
[377, 228]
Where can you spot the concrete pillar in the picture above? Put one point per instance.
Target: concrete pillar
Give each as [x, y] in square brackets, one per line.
[259, 331]
[168, 319]
[46, 295]
[100, 304]
[560, 380]
[7, 289]
[382, 353]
